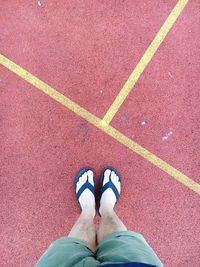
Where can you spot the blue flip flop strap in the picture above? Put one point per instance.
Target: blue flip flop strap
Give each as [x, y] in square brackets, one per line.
[112, 186]
[86, 185]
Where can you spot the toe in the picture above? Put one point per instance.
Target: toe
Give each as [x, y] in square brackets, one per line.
[115, 177]
[84, 177]
[106, 176]
[81, 181]
[90, 177]
[78, 185]
[115, 180]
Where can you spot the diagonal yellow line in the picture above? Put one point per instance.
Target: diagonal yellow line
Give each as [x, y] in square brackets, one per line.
[48, 90]
[146, 58]
[121, 138]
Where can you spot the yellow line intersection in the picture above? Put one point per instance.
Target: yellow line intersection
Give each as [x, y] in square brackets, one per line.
[102, 125]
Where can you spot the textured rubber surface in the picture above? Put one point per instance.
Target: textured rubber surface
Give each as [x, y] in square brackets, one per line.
[87, 51]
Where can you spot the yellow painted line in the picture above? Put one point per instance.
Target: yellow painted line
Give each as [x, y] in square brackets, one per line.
[182, 178]
[42, 86]
[118, 136]
[144, 61]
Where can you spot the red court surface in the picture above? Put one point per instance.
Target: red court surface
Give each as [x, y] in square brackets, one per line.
[167, 98]
[87, 50]
[82, 50]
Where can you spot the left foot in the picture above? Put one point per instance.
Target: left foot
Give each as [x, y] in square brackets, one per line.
[85, 189]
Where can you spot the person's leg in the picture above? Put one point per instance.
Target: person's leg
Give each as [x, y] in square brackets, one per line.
[110, 222]
[77, 248]
[115, 243]
[84, 228]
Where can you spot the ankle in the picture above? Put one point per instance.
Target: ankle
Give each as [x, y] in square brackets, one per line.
[88, 212]
[106, 211]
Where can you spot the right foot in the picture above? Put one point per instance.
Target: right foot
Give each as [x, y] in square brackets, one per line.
[111, 187]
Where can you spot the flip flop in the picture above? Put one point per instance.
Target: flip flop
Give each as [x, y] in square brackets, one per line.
[86, 185]
[110, 184]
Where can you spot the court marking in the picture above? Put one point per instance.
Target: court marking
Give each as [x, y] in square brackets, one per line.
[100, 124]
[144, 61]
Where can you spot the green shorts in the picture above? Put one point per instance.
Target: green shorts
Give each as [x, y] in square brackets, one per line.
[120, 247]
